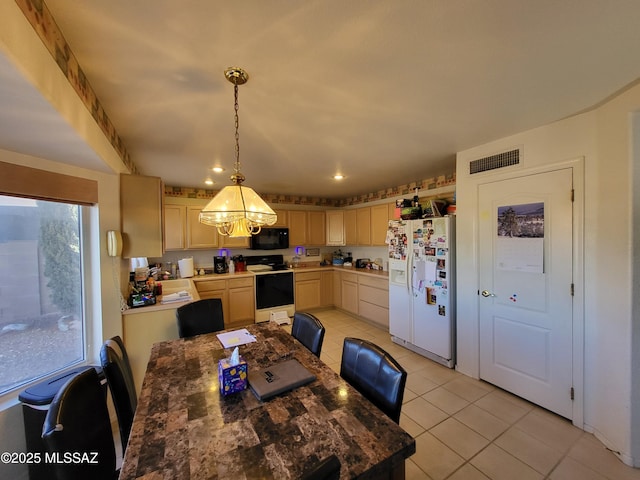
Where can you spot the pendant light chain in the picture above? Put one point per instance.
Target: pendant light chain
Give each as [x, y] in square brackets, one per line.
[236, 210]
[236, 106]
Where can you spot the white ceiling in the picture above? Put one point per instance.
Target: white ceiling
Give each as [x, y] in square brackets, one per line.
[385, 92]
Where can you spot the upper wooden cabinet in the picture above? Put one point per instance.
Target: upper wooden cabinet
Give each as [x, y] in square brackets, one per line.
[350, 227]
[233, 242]
[392, 211]
[379, 224]
[306, 228]
[142, 216]
[335, 227]
[175, 223]
[363, 226]
[367, 225]
[198, 234]
[183, 230]
[283, 218]
[297, 228]
[316, 228]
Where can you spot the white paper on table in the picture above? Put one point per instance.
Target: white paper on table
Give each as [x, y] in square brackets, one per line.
[235, 338]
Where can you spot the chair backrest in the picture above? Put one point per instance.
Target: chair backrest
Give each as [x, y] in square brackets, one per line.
[309, 331]
[77, 423]
[117, 370]
[201, 316]
[375, 374]
[327, 469]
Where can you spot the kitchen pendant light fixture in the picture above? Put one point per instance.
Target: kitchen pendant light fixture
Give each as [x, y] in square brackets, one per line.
[237, 211]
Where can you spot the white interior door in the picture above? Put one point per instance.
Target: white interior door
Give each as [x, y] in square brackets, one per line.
[526, 303]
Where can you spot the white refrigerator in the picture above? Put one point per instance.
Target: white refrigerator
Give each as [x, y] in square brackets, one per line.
[421, 286]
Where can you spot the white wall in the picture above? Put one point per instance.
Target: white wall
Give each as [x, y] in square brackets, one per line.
[104, 315]
[603, 139]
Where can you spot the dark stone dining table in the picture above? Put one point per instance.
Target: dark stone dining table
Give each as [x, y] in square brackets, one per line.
[184, 428]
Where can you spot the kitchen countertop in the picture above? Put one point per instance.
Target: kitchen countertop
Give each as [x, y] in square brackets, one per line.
[223, 276]
[168, 287]
[303, 268]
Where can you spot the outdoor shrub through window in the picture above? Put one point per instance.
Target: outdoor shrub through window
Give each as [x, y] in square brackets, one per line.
[41, 311]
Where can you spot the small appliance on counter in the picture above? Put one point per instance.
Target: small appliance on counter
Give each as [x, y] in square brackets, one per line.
[220, 265]
[362, 262]
[240, 264]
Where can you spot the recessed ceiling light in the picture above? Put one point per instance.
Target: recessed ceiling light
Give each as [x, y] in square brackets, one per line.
[338, 177]
[208, 181]
[218, 169]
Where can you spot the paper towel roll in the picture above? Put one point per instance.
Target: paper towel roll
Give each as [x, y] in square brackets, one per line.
[186, 267]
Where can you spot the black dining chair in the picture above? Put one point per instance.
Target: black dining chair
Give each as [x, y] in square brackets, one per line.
[309, 331]
[375, 374]
[78, 430]
[326, 469]
[117, 371]
[199, 317]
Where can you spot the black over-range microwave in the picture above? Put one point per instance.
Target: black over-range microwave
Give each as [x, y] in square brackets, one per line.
[270, 239]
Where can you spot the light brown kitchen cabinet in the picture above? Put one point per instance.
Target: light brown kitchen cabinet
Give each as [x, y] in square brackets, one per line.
[283, 218]
[379, 224]
[350, 227]
[337, 288]
[306, 228]
[392, 211]
[335, 227]
[141, 214]
[237, 296]
[214, 289]
[297, 228]
[326, 288]
[199, 235]
[183, 230]
[307, 290]
[233, 242]
[373, 299]
[349, 292]
[363, 226]
[316, 228]
[174, 227]
[241, 309]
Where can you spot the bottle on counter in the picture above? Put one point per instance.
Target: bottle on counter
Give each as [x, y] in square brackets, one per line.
[232, 267]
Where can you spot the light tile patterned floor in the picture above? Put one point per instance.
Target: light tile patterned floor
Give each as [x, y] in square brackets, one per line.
[467, 429]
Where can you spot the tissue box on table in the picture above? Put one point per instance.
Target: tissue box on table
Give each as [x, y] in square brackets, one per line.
[233, 378]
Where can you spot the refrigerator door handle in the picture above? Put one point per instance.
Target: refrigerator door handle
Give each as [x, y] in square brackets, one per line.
[410, 274]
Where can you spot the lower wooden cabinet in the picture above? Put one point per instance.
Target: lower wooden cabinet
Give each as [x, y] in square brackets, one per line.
[326, 288]
[349, 292]
[242, 308]
[307, 290]
[237, 295]
[373, 299]
[364, 295]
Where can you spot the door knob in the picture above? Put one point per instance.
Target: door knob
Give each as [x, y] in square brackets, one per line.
[487, 293]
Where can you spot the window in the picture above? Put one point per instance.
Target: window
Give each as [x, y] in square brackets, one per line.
[41, 301]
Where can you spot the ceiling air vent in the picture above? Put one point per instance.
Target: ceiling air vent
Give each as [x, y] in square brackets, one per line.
[499, 160]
